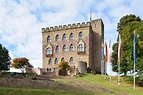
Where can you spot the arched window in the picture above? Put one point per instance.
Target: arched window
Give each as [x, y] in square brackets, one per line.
[71, 36]
[49, 50]
[57, 49]
[50, 61]
[48, 39]
[80, 48]
[80, 35]
[64, 37]
[71, 47]
[62, 59]
[71, 60]
[57, 38]
[56, 61]
[64, 48]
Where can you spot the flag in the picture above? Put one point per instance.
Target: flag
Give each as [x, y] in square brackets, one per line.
[134, 47]
[102, 51]
[106, 53]
[119, 48]
[110, 51]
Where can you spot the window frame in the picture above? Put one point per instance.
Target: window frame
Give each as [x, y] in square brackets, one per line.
[71, 60]
[64, 37]
[57, 38]
[64, 48]
[48, 51]
[71, 36]
[56, 61]
[80, 48]
[71, 47]
[57, 48]
[80, 36]
[50, 61]
[49, 39]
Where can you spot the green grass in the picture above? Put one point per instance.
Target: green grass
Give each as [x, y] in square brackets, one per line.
[124, 87]
[24, 91]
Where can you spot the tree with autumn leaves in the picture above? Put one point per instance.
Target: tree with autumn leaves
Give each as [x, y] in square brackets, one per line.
[21, 63]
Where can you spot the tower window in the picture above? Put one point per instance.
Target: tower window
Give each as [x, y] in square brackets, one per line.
[56, 61]
[71, 47]
[64, 37]
[62, 59]
[71, 60]
[57, 38]
[80, 48]
[48, 39]
[57, 49]
[49, 50]
[50, 61]
[71, 36]
[80, 35]
[64, 48]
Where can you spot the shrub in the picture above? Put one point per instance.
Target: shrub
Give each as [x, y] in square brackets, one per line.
[63, 65]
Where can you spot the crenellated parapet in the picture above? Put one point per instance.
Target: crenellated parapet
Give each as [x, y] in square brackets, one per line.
[66, 27]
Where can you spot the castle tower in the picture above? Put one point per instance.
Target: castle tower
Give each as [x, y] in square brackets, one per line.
[73, 43]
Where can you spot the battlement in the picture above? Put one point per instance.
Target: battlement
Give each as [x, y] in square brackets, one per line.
[66, 27]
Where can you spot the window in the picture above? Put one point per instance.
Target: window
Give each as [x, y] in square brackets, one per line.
[50, 61]
[71, 47]
[56, 61]
[71, 60]
[71, 36]
[62, 59]
[80, 35]
[64, 37]
[48, 39]
[64, 48]
[57, 49]
[57, 38]
[49, 50]
[80, 48]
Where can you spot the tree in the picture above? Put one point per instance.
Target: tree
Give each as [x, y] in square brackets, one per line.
[126, 27]
[63, 65]
[127, 19]
[4, 58]
[21, 63]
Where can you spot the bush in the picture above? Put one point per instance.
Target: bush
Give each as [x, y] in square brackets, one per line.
[139, 80]
[63, 65]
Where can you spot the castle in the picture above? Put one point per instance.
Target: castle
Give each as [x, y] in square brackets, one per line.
[73, 43]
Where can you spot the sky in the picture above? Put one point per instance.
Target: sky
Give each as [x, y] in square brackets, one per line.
[21, 21]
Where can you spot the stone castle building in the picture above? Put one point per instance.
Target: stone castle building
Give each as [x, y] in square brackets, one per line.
[73, 43]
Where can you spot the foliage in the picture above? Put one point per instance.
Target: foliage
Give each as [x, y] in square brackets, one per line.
[4, 58]
[21, 63]
[128, 24]
[63, 65]
[127, 19]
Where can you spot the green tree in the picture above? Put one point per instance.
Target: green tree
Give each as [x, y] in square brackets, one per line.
[21, 63]
[126, 27]
[63, 65]
[4, 58]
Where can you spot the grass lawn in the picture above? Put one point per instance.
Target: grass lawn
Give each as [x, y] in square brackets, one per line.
[26, 91]
[123, 87]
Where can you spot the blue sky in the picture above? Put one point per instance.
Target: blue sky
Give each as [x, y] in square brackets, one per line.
[21, 21]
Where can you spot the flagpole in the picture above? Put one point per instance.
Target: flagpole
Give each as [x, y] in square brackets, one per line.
[119, 73]
[110, 59]
[134, 58]
[119, 57]
[134, 78]
[105, 71]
